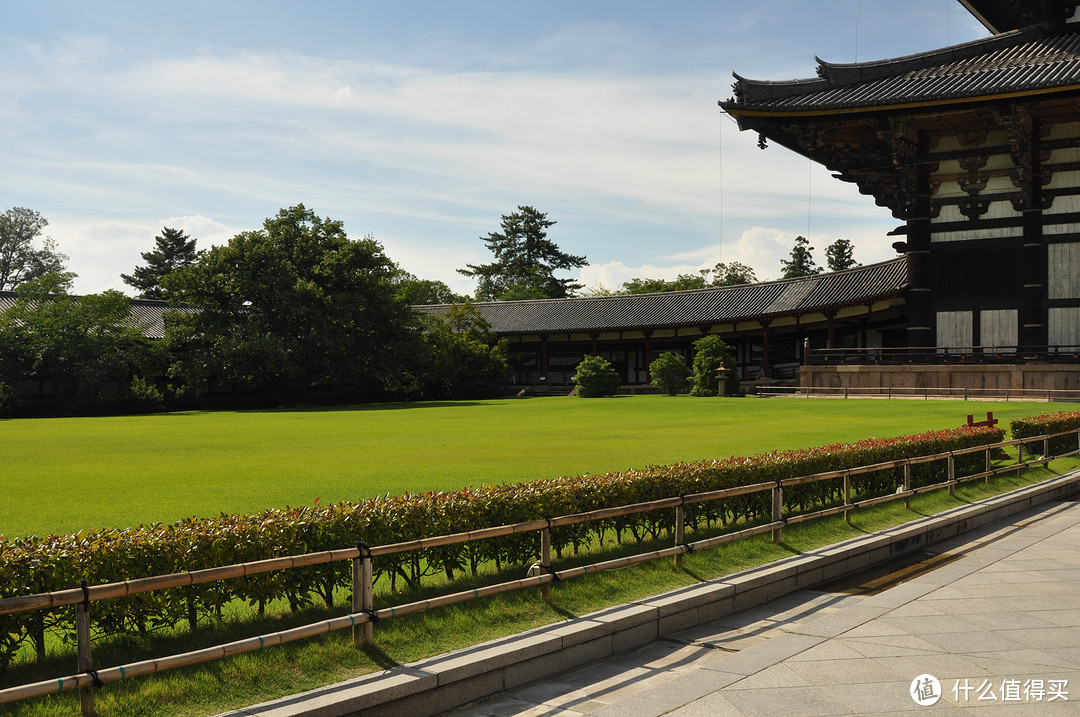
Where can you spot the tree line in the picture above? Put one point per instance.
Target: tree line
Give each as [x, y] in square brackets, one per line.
[293, 311]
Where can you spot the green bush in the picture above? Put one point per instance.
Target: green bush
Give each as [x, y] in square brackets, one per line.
[669, 373]
[596, 377]
[9, 399]
[1047, 424]
[710, 353]
[144, 397]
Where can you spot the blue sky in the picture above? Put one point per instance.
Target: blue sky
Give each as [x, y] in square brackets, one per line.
[421, 123]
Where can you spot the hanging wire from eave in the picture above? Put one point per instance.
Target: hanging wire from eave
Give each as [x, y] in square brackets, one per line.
[948, 30]
[858, 15]
[720, 161]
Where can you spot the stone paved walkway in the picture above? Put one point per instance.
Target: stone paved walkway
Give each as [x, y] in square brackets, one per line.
[1000, 620]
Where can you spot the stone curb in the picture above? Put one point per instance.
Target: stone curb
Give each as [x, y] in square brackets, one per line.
[445, 682]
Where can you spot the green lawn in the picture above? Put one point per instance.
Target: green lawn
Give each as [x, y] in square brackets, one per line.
[66, 474]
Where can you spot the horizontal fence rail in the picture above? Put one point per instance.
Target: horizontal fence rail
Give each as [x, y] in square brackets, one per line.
[363, 615]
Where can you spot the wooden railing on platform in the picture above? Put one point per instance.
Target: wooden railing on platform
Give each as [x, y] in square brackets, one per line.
[363, 615]
[924, 393]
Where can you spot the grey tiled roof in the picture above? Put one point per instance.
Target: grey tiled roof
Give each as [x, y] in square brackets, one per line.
[1035, 58]
[695, 307]
[147, 315]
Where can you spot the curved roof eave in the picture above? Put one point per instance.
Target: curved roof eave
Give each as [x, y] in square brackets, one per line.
[1035, 60]
[695, 307]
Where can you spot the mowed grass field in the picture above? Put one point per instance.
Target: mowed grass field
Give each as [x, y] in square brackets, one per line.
[67, 474]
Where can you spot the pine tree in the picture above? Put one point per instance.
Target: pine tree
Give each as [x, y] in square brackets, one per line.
[525, 261]
[801, 262]
[173, 250]
[840, 255]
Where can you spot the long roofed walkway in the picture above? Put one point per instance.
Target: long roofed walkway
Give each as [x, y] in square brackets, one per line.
[990, 626]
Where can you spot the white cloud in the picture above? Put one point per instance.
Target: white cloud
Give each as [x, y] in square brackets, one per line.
[641, 171]
[99, 252]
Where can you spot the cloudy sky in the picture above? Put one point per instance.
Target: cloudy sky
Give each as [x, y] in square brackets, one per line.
[422, 123]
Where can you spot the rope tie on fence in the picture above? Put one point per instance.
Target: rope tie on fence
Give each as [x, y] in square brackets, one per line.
[95, 680]
[373, 615]
[364, 549]
[86, 597]
[689, 547]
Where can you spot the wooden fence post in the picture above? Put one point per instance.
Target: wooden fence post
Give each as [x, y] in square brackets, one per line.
[85, 663]
[777, 511]
[680, 529]
[907, 485]
[545, 559]
[363, 597]
[847, 495]
[952, 475]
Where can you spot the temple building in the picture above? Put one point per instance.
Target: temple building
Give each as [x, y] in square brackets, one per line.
[975, 148]
[768, 325]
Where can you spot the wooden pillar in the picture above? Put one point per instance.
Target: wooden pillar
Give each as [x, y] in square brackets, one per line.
[922, 319]
[765, 348]
[648, 355]
[1031, 317]
[595, 344]
[543, 357]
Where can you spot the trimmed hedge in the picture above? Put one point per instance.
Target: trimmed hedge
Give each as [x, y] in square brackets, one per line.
[1046, 424]
[35, 565]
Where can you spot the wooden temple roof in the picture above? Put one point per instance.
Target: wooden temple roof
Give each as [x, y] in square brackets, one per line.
[696, 307]
[1005, 15]
[1035, 59]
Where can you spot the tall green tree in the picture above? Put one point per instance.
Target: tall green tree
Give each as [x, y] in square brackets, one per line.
[840, 255]
[173, 249]
[525, 261]
[20, 258]
[800, 262]
[464, 358]
[294, 305]
[84, 345]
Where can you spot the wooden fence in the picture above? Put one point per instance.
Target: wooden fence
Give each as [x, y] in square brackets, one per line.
[363, 615]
